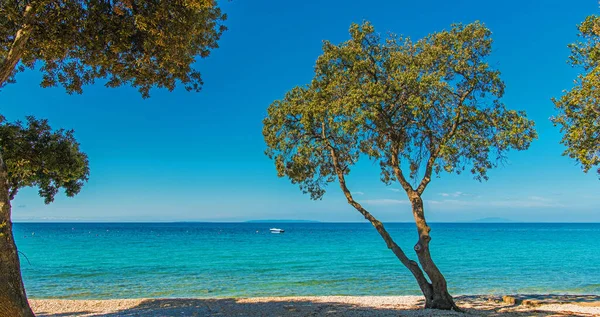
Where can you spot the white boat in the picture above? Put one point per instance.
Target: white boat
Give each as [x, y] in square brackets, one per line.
[276, 230]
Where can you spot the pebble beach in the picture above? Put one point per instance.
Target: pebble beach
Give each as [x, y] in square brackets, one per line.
[524, 305]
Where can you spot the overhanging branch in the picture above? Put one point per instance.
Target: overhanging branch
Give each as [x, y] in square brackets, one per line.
[7, 66]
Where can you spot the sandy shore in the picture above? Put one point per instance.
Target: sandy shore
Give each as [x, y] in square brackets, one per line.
[522, 305]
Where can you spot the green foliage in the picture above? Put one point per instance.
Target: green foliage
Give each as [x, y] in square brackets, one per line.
[141, 43]
[432, 105]
[37, 156]
[579, 108]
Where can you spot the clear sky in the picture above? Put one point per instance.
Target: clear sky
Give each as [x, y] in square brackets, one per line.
[199, 156]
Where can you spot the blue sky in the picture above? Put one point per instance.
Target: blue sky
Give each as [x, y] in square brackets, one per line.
[199, 156]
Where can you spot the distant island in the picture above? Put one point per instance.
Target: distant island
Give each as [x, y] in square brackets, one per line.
[493, 219]
[281, 221]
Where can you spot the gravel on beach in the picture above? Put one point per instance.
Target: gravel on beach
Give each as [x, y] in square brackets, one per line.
[522, 305]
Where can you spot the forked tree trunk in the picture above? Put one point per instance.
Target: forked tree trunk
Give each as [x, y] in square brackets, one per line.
[13, 300]
[435, 292]
[439, 298]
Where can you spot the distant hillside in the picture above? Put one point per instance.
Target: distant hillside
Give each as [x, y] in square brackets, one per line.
[280, 221]
[493, 219]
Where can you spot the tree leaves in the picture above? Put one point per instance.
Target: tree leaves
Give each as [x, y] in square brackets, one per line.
[37, 156]
[431, 105]
[144, 44]
[579, 108]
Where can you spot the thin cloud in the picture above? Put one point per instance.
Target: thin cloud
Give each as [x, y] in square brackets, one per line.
[394, 189]
[35, 218]
[455, 194]
[453, 201]
[384, 202]
[529, 202]
[359, 193]
[538, 198]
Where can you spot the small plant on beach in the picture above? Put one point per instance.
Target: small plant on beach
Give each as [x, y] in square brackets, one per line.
[418, 108]
[143, 44]
[579, 108]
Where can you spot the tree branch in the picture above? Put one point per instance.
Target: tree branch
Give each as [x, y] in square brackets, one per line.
[13, 192]
[25, 257]
[434, 154]
[7, 66]
[398, 171]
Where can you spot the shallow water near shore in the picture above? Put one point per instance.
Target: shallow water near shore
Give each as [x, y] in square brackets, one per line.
[151, 260]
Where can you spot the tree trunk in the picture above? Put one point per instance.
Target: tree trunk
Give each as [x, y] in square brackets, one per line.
[439, 297]
[13, 300]
[411, 265]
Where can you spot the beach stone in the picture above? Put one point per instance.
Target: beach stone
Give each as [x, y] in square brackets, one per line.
[511, 300]
[531, 303]
[290, 308]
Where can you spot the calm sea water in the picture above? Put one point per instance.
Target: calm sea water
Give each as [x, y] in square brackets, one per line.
[129, 260]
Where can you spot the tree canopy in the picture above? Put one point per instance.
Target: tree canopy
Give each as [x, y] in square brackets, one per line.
[579, 108]
[37, 156]
[416, 107]
[144, 44]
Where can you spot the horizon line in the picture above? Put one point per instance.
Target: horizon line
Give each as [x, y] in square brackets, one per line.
[302, 221]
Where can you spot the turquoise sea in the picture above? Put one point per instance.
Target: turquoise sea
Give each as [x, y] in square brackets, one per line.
[131, 260]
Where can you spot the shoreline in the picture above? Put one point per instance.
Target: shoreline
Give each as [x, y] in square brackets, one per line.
[480, 305]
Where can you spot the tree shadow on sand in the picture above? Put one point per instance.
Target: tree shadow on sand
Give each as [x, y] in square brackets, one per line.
[473, 305]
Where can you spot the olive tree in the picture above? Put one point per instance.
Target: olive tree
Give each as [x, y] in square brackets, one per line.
[143, 44]
[579, 108]
[418, 108]
[33, 156]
